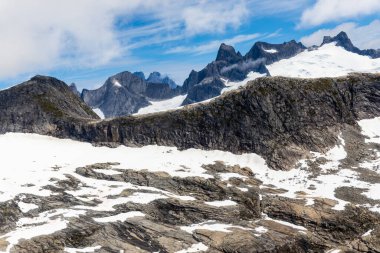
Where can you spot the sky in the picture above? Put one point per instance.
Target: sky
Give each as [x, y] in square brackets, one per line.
[86, 41]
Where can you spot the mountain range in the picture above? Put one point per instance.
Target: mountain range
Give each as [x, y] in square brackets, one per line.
[269, 164]
[127, 93]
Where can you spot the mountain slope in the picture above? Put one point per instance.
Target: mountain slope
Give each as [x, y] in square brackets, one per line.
[329, 60]
[41, 105]
[342, 40]
[279, 118]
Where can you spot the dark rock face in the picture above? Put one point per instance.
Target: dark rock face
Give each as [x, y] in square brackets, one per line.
[342, 40]
[161, 91]
[121, 94]
[271, 53]
[233, 66]
[208, 88]
[140, 74]
[227, 53]
[278, 118]
[125, 93]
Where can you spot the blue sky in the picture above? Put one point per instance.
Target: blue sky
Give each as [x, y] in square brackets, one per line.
[86, 41]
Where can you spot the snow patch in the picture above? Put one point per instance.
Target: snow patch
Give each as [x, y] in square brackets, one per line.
[285, 223]
[107, 172]
[261, 230]
[99, 113]
[26, 207]
[222, 203]
[116, 83]
[271, 51]
[327, 61]
[227, 176]
[371, 128]
[236, 85]
[212, 226]
[84, 250]
[120, 217]
[163, 105]
[199, 247]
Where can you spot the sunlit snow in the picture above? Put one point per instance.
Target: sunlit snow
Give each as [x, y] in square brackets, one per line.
[326, 61]
[162, 105]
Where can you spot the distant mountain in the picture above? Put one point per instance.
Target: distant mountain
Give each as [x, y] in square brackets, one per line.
[271, 53]
[125, 93]
[335, 56]
[342, 40]
[232, 66]
[140, 74]
[74, 89]
[156, 77]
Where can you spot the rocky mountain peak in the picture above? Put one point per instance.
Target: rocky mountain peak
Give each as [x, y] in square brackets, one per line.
[140, 74]
[74, 89]
[274, 52]
[227, 53]
[341, 40]
[157, 77]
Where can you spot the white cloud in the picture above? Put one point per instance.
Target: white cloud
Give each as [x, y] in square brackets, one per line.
[212, 46]
[43, 35]
[214, 16]
[364, 37]
[324, 11]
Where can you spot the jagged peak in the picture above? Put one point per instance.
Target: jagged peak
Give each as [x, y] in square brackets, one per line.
[227, 53]
[139, 74]
[341, 39]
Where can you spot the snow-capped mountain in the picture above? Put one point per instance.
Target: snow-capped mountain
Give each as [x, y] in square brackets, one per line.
[125, 93]
[336, 56]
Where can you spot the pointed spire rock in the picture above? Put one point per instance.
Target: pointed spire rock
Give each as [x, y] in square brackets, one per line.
[227, 53]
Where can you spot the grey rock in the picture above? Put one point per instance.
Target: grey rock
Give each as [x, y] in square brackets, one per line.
[121, 94]
[140, 74]
[125, 93]
[260, 50]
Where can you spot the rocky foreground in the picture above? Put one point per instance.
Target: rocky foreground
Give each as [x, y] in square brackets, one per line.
[303, 175]
[159, 199]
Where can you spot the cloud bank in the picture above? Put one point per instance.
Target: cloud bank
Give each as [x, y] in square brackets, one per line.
[324, 11]
[364, 37]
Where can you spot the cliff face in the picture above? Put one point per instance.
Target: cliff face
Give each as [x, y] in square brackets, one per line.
[279, 118]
